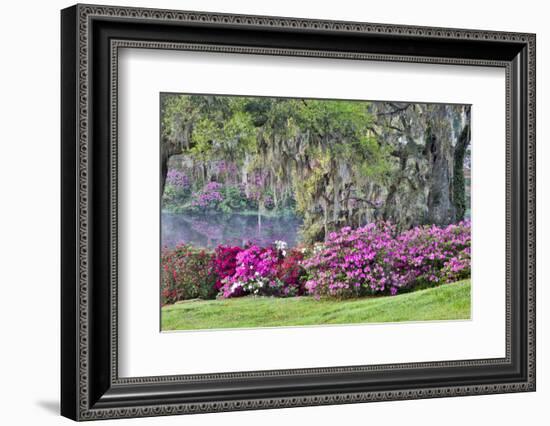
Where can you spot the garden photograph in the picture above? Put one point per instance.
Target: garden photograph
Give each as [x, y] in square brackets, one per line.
[279, 212]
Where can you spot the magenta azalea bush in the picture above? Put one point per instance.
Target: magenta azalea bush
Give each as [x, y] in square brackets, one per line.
[270, 271]
[373, 259]
[225, 263]
[254, 273]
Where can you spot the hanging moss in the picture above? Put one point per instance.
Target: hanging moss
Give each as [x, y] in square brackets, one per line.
[459, 191]
[334, 162]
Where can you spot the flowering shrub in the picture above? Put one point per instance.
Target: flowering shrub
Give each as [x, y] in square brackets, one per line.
[177, 178]
[375, 259]
[351, 262]
[215, 196]
[291, 272]
[180, 195]
[436, 254]
[187, 273]
[177, 189]
[270, 271]
[209, 197]
[458, 267]
[254, 273]
[225, 263]
[234, 199]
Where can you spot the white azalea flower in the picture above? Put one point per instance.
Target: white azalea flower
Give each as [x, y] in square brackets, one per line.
[281, 245]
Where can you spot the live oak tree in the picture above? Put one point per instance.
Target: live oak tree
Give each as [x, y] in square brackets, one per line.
[335, 163]
[430, 145]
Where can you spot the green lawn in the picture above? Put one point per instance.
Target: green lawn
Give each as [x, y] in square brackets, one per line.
[446, 302]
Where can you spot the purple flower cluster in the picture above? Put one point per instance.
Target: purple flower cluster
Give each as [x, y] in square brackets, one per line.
[209, 196]
[177, 178]
[377, 259]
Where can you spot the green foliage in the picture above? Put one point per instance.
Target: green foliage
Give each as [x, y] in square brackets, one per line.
[330, 118]
[176, 111]
[175, 197]
[205, 131]
[339, 158]
[312, 230]
[235, 200]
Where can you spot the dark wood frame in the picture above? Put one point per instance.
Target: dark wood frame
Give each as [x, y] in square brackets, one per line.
[91, 37]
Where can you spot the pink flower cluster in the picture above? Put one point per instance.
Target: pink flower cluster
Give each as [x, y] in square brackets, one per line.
[373, 259]
[262, 271]
[177, 178]
[209, 196]
[377, 259]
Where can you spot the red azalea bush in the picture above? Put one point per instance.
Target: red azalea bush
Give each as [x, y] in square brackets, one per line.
[225, 263]
[291, 272]
[187, 273]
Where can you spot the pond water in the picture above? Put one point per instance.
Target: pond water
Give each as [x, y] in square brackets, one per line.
[210, 230]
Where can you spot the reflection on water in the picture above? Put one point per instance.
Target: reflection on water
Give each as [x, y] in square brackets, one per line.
[210, 230]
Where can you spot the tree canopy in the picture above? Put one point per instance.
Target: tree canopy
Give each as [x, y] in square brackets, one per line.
[336, 162]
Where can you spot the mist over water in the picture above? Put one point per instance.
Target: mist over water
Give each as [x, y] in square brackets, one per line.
[210, 230]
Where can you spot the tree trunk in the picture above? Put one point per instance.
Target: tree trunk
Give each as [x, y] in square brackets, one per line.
[244, 175]
[325, 218]
[390, 207]
[440, 208]
[167, 151]
[275, 198]
[164, 157]
[336, 195]
[459, 192]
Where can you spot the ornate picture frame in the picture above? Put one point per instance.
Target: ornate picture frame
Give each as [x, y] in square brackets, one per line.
[91, 37]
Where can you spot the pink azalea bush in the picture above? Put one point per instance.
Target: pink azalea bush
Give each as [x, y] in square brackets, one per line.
[375, 259]
[177, 178]
[209, 197]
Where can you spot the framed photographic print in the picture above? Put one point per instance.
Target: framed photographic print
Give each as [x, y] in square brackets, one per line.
[263, 212]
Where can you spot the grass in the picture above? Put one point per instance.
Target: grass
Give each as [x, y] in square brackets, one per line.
[445, 302]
